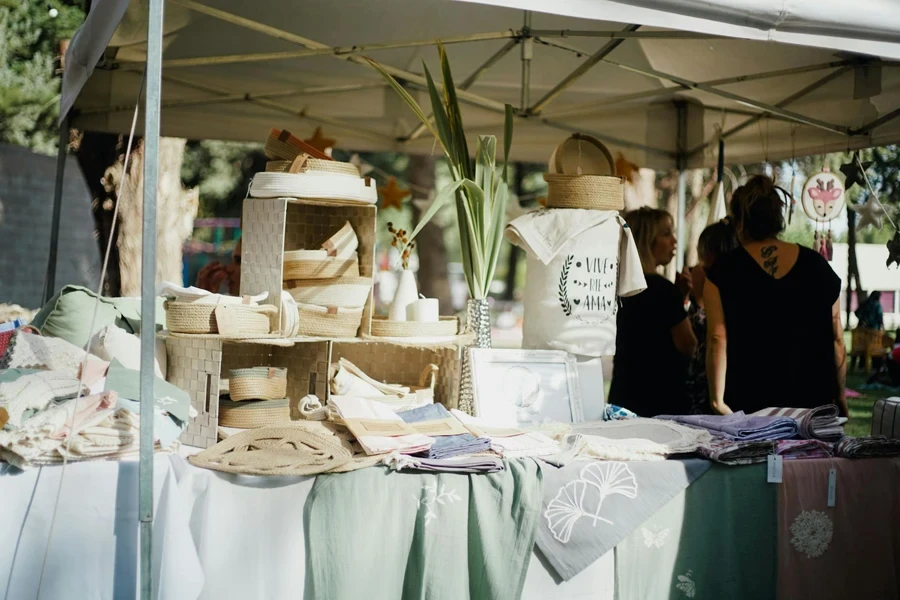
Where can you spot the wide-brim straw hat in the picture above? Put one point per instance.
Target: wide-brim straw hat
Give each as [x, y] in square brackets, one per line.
[582, 175]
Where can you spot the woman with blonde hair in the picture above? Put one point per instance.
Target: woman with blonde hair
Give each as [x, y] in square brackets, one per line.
[654, 340]
[774, 334]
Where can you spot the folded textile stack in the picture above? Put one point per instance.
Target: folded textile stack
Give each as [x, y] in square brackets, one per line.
[797, 449]
[821, 423]
[730, 452]
[195, 311]
[638, 439]
[740, 427]
[346, 379]
[530, 443]
[445, 446]
[867, 447]
[326, 285]
[463, 464]
[377, 428]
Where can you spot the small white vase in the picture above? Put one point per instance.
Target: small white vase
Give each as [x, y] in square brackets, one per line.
[407, 293]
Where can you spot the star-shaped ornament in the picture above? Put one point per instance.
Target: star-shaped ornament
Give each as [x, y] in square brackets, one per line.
[391, 195]
[364, 168]
[893, 247]
[868, 213]
[853, 174]
[320, 142]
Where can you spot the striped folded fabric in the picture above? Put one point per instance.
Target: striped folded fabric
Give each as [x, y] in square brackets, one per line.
[802, 449]
[730, 452]
[867, 447]
[820, 423]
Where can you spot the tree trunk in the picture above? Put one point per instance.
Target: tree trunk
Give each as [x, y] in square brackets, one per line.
[432, 275]
[852, 267]
[95, 153]
[176, 211]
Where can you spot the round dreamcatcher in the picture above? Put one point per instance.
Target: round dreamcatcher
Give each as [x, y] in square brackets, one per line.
[822, 201]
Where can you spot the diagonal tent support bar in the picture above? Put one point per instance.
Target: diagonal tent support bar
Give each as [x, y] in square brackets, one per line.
[572, 77]
[768, 108]
[299, 40]
[792, 98]
[469, 81]
[303, 113]
[870, 127]
[340, 51]
[334, 89]
[589, 108]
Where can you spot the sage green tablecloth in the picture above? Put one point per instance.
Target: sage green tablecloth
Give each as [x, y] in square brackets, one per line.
[715, 540]
[383, 535]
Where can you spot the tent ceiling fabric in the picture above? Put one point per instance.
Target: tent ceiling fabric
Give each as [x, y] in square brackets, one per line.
[633, 98]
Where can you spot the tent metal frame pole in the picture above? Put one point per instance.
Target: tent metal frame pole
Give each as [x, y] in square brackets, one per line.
[152, 114]
[592, 107]
[586, 66]
[869, 127]
[605, 138]
[527, 55]
[465, 85]
[768, 108]
[50, 278]
[629, 35]
[681, 118]
[792, 98]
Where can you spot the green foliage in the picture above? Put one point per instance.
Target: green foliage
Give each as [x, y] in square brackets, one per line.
[223, 171]
[29, 86]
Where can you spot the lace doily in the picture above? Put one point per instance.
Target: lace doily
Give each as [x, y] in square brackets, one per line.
[811, 533]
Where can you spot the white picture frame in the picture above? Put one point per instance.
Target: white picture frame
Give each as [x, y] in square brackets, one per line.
[521, 388]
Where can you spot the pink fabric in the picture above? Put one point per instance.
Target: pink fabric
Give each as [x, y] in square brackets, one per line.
[863, 558]
[86, 407]
[94, 370]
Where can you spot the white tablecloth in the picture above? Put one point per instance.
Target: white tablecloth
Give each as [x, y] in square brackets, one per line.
[216, 536]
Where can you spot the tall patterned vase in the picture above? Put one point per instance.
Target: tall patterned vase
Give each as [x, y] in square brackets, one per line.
[478, 322]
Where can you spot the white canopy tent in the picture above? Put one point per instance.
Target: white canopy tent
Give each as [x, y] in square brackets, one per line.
[655, 79]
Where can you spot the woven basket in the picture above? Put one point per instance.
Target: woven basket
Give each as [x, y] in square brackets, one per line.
[344, 292]
[257, 383]
[446, 327]
[583, 188]
[316, 264]
[282, 145]
[253, 414]
[198, 318]
[319, 321]
[313, 165]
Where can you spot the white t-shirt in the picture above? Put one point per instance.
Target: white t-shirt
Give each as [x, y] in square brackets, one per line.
[579, 262]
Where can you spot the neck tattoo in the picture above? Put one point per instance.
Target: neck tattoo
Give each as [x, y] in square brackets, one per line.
[770, 259]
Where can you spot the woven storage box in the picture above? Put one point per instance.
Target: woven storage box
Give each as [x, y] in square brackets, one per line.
[345, 292]
[319, 321]
[582, 176]
[198, 318]
[253, 414]
[257, 383]
[446, 327]
[316, 264]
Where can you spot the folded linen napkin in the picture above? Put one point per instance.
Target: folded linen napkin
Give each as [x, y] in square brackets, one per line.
[820, 423]
[528, 444]
[468, 464]
[445, 446]
[740, 427]
[360, 408]
[802, 449]
[867, 447]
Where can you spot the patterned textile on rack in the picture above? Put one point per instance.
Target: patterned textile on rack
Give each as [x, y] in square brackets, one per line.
[738, 426]
[820, 423]
[729, 452]
[803, 449]
[681, 552]
[383, 535]
[589, 507]
[848, 550]
[867, 447]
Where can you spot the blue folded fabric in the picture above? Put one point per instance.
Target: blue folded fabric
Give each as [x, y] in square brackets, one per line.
[740, 427]
[445, 446]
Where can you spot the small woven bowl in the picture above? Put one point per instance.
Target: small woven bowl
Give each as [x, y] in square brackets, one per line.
[199, 318]
[344, 292]
[253, 414]
[316, 264]
[446, 327]
[257, 383]
[319, 321]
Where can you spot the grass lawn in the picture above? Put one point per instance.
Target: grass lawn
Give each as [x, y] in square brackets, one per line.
[861, 408]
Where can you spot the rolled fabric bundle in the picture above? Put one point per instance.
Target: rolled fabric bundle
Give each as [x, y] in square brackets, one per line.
[820, 423]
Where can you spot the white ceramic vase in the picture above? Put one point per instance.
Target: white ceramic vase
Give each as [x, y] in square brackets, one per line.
[407, 293]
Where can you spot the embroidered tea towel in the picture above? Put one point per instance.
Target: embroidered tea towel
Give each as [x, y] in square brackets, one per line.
[589, 507]
[578, 263]
[715, 540]
[379, 535]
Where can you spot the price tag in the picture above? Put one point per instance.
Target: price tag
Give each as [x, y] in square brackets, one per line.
[775, 468]
[226, 321]
[832, 485]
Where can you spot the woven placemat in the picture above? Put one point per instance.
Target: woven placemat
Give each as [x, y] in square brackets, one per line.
[285, 451]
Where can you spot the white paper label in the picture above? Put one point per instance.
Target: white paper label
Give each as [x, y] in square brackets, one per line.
[832, 484]
[775, 466]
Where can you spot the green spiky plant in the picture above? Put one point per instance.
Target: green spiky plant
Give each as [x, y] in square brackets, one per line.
[480, 188]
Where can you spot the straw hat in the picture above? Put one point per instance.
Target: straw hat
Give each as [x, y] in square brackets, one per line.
[582, 175]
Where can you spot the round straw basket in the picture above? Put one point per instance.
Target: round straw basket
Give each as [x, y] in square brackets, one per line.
[316, 264]
[253, 414]
[198, 318]
[257, 383]
[314, 165]
[446, 327]
[580, 176]
[319, 321]
[345, 292]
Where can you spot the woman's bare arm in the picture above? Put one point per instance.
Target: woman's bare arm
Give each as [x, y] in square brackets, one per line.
[716, 343]
[840, 355]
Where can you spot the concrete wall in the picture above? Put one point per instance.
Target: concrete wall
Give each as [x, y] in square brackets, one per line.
[26, 206]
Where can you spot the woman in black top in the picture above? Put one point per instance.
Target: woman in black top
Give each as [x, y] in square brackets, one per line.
[774, 334]
[654, 339]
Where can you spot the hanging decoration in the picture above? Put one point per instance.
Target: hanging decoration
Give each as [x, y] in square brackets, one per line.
[893, 247]
[391, 195]
[320, 142]
[869, 212]
[854, 172]
[626, 169]
[717, 208]
[822, 201]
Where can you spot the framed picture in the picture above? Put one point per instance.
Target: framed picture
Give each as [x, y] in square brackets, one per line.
[518, 388]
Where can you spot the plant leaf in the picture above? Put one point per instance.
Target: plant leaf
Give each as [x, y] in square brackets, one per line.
[507, 140]
[442, 125]
[447, 193]
[477, 250]
[498, 214]
[455, 116]
[465, 243]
